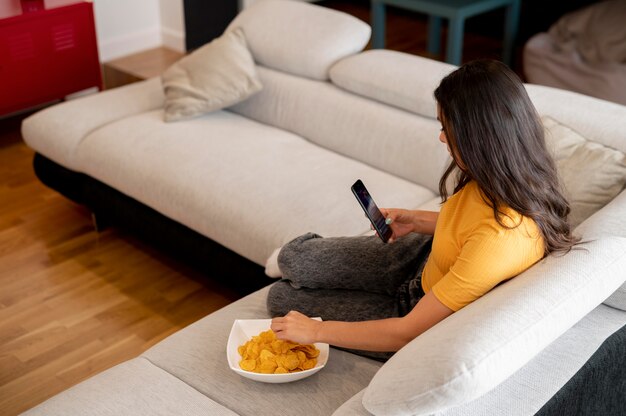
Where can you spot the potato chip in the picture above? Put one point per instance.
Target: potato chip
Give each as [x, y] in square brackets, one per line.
[267, 336]
[264, 353]
[280, 370]
[267, 367]
[308, 364]
[267, 355]
[248, 365]
[291, 361]
[310, 350]
[280, 347]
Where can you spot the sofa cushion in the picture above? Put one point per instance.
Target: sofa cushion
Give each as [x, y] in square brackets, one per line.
[592, 174]
[197, 356]
[217, 75]
[192, 172]
[617, 300]
[478, 347]
[57, 131]
[135, 387]
[300, 38]
[384, 137]
[353, 406]
[395, 78]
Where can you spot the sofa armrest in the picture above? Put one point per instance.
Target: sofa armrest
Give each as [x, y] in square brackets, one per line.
[478, 347]
[610, 220]
[57, 131]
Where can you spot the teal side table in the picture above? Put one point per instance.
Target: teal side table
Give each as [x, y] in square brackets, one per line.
[456, 11]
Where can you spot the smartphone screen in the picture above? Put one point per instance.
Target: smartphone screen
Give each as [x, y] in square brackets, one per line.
[371, 210]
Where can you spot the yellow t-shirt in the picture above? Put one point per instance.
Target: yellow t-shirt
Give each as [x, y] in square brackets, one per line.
[472, 253]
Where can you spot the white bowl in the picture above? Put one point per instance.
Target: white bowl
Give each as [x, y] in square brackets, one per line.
[243, 330]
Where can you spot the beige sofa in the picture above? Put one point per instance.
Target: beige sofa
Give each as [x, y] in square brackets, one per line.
[280, 163]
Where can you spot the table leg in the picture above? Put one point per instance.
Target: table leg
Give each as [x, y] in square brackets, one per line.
[511, 22]
[455, 41]
[434, 34]
[378, 24]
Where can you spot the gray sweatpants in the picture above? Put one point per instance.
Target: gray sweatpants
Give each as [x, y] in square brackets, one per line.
[350, 278]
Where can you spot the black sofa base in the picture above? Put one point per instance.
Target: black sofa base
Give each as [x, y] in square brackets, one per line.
[113, 208]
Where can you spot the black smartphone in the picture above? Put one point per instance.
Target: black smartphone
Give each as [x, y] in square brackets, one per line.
[371, 210]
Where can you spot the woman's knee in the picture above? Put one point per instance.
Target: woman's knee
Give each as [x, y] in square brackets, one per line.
[278, 299]
[291, 254]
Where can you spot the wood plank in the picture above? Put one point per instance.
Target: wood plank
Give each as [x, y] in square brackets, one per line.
[146, 64]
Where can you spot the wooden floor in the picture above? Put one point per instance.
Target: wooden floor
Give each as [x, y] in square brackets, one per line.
[74, 302]
[142, 65]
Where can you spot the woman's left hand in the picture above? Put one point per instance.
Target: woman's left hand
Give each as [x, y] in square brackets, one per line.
[296, 327]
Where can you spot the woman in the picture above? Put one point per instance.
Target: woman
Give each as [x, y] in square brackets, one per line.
[506, 212]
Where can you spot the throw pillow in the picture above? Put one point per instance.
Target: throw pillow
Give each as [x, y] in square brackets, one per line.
[592, 174]
[217, 75]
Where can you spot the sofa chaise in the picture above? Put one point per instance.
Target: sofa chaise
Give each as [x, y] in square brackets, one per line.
[248, 178]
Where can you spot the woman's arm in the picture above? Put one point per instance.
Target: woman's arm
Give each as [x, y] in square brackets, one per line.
[406, 221]
[381, 335]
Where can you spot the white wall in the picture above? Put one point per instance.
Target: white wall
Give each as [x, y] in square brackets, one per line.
[172, 24]
[124, 27]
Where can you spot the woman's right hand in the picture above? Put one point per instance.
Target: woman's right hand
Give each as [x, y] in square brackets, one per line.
[402, 222]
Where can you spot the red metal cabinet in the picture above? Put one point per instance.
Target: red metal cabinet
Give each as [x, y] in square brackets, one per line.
[46, 54]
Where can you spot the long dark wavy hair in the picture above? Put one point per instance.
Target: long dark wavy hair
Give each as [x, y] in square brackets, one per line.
[496, 139]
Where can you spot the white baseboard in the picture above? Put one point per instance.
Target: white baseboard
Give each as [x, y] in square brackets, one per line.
[173, 39]
[128, 44]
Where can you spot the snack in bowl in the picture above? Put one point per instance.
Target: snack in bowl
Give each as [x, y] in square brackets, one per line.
[266, 354]
[244, 330]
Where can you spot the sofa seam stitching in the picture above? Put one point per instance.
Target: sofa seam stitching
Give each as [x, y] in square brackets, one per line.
[183, 381]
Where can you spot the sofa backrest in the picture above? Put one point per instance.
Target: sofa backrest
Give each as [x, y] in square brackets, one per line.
[394, 78]
[382, 136]
[376, 106]
[597, 120]
[300, 38]
[295, 45]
